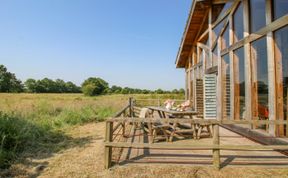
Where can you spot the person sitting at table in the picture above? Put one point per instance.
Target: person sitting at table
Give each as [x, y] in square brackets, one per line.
[169, 104]
[184, 106]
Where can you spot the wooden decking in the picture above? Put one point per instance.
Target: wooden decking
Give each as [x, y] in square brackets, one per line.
[198, 157]
[128, 140]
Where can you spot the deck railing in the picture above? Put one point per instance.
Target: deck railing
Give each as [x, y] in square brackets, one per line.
[115, 127]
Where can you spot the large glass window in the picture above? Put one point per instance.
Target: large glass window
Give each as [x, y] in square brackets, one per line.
[225, 38]
[225, 8]
[217, 30]
[239, 86]
[238, 23]
[260, 79]
[201, 55]
[280, 8]
[281, 55]
[208, 60]
[226, 86]
[257, 15]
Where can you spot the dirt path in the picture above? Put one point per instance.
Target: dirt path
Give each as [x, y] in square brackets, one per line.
[87, 161]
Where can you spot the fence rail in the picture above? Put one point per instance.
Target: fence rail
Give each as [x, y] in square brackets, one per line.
[126, 117]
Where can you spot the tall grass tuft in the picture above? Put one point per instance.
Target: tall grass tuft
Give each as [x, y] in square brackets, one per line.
[41, 131]
[16, 135]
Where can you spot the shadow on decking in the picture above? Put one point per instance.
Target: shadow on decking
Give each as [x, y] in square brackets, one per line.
[202, 157]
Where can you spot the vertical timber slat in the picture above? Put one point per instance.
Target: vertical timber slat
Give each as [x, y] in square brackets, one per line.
[247, 59]
[130, 107]
[216, 152]
[108, 149]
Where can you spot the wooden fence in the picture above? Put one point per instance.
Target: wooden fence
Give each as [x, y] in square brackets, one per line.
[126, 117]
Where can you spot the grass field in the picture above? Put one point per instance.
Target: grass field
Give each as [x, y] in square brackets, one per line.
[33, 125]
[56, 135]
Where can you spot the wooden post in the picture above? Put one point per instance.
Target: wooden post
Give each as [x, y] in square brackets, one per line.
[123, 129]
[108, 149]
[216, 142]
[287, 114]
[273, 129]
[247, 59]
[131, 107]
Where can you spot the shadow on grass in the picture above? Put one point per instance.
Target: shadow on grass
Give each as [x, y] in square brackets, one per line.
[27, 143]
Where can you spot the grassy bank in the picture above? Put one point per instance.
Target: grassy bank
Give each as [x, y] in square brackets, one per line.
[35, 124]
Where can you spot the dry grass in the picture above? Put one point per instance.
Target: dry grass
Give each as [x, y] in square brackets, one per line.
[87, 161]
[82, 152]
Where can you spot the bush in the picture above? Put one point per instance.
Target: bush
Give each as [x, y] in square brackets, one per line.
[17, 134]
[89, 90]
[94, 86]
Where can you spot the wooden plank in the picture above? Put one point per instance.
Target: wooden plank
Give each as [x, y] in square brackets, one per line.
[206, 32]
[203, 46]
[247, 59]
[279, 23]
[218, 21]
[271, 73]
[122, 111]
[221, 1]
[131, 107]
[216, 152]
[232, 71]
[194, 121]
[108, 149]
[210, 38]
[126, 154]
[176, 146]
[202, 24]
[219, 85]
[117, 126]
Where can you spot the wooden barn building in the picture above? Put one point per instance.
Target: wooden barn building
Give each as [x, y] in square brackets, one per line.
[235, 56]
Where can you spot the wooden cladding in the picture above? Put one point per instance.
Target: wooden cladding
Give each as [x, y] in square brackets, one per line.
[210, 96]
[247, 40]
[199, 96]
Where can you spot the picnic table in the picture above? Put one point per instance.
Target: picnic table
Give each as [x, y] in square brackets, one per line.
[177, 128]
[179, 114]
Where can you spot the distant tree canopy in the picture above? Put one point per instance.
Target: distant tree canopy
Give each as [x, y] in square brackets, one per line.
[9, 82]
[49, 86]
[94, 86]
[91, 87]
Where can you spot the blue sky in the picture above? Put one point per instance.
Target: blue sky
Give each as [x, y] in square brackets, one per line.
[126, 42]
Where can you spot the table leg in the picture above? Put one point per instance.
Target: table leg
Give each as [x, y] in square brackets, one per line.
[173, 131]
[199, 131]
[150, 132]
[163, 114]
[160, 114]
[193, 127]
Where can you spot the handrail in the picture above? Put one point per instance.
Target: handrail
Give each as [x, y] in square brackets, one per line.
[195, 121]
[215, 146]
[118, 114]
[196, 147]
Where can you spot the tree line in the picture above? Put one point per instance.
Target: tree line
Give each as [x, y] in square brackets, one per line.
[91, 87]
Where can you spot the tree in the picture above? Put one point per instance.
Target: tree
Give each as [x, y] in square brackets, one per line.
[125, 90]
[47, 85]
[181, 91]
[72, 88]
[89, 89]
[159, 91]
[175, 91]
[115, 89]
[9, 82]
[60, 86]
[94, 86]
[31, 85]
